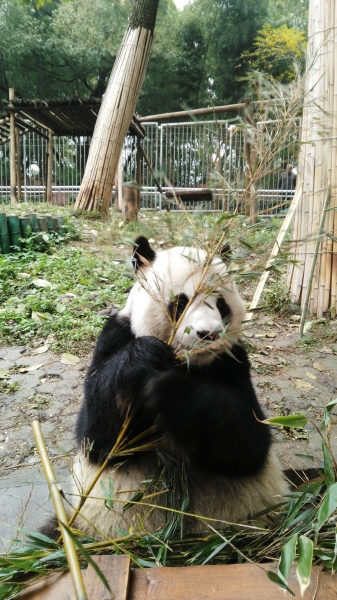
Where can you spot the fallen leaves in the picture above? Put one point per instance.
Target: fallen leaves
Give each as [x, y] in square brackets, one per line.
[303, 385]
[41, 349]
[69, 359]
[31, 368]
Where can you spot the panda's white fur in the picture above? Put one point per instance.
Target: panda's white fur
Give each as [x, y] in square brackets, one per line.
[177, 270]
[212, 495]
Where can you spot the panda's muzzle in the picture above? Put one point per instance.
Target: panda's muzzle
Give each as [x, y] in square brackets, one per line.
[210, 336]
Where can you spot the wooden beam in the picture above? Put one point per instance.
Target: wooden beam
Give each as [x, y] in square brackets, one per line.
[8, 139]
[31, 127]
[196, 111]
[12, 167]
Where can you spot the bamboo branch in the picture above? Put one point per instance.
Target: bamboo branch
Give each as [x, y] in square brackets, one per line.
[275, 250]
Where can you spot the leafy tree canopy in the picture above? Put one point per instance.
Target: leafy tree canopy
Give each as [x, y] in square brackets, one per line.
[55, 48]
[276, 52]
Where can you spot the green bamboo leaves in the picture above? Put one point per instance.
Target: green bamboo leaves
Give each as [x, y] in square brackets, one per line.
[305, 554]
[305, 549]
[298, 421]
[327, 507]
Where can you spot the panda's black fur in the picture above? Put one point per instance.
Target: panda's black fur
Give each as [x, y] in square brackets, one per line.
[206, 411]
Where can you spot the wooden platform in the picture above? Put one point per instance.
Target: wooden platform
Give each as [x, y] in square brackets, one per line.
[225, 582]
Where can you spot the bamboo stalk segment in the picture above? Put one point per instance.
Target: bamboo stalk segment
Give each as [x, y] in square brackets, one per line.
[317, 166]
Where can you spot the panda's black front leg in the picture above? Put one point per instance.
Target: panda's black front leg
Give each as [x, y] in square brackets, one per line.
[121, 366]
[209, 416]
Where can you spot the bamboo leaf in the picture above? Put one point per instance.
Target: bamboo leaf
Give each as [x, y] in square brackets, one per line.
[298, 421]
[305, 554]
[328, 468]
[327, 507]
[108, 494]
[327, 412]
[287, 557]
[137, 497]
[279, 581]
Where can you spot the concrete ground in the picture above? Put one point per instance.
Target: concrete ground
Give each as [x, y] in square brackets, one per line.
[288, 379]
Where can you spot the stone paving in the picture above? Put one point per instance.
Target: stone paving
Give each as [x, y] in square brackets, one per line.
[288, 379]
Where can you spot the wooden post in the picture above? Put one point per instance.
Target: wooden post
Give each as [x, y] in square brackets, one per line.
[129, 203]
[119, 184]
[49, 178]
[12, 165]
[247, 149]
[18, 162]
[138, 172]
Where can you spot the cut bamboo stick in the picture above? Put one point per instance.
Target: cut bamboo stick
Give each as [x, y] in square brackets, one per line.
[69, 547]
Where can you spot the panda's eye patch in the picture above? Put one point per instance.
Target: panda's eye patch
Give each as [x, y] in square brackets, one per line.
[223, 307]
[177, 306]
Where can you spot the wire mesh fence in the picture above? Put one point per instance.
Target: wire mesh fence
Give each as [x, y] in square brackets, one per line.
[185, 157]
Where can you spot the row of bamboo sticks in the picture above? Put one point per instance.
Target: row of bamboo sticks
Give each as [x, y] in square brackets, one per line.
[114, 119]
[318, 166]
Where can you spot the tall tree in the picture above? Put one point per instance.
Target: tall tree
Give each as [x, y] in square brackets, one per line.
[229, 28]
[117, 108]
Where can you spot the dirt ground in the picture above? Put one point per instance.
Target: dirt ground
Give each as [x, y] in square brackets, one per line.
[289, 378]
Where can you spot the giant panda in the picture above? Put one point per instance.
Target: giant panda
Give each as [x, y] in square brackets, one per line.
[203, 403]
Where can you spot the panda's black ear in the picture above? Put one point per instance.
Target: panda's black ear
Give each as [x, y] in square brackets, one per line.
[225, 252]
[142, 254]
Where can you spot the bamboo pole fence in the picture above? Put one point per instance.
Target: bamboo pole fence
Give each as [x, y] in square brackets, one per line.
[117, 108]
[317, 166]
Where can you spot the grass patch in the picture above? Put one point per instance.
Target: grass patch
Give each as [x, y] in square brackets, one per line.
[93, 270]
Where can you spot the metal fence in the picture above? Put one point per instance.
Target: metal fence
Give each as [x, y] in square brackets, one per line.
[184, 156]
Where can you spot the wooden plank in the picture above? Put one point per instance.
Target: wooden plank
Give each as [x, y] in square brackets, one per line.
[55, 587]
[117, 571]
[224, 582]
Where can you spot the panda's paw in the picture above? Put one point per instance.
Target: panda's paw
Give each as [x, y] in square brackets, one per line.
[163, 393]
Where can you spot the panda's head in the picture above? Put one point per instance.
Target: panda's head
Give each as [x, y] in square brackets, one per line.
[180, 281]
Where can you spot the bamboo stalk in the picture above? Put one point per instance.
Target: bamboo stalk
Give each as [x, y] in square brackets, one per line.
[314, 259]
[69, 547]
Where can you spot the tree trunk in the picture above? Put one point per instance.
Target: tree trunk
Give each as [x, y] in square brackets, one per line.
[318, 166]
[117, 108]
